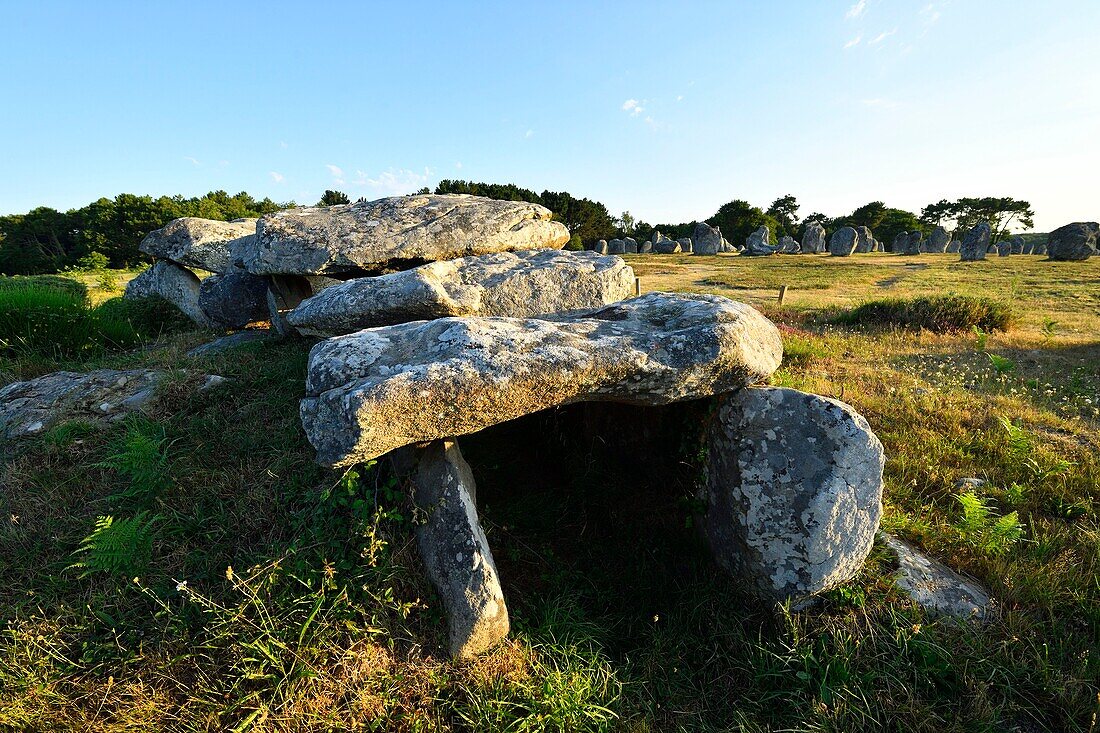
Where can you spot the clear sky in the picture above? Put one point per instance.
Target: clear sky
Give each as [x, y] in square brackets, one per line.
[664, 109]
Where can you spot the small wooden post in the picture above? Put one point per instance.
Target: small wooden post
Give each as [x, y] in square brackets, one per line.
[637, 286]
[782, 293]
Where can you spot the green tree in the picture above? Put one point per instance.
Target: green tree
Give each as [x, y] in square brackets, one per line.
[738, 219]
[1000, 213]
[785, 211]
[334, 198]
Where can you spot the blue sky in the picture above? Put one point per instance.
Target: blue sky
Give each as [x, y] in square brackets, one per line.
[664, 109]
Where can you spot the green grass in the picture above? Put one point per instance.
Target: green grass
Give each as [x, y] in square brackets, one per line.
[279, 596]
[937, 313]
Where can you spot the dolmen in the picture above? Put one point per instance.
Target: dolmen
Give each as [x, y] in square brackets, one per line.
[442, 316]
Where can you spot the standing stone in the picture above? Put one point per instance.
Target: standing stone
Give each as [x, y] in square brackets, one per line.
[234, 299]
[202, 243]
[813, 239]
[1040, 248]
[600, 247]
[937, 243]
[656, 236]
[397, 231]
[645, 247]
[175, 284]
[1073, 242]
[685, 244]
[758, 244]
[616, 247]
[1027, 248]
[630, 246]
[1016, 244]
[901, 241]
[510, 284]
[843, 242]
[456, 551]
[788, 245]
[667, 247]
[1004, 248]
[793, 490]
[952, 247]
[864, 240]
[706, 240]
[913, 243]
[975, 243]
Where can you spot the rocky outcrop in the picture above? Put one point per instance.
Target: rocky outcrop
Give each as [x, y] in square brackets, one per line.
[455, 550]
[1073, 242]
[793, 491]
[371, 392]
[813, 239]
[935, 587]
[396, 233]
[975, 243]
[509, 284]
[201, 243]
[177, 285]
[234, 299]
[938, 241]
[706, 240]
[843, 242]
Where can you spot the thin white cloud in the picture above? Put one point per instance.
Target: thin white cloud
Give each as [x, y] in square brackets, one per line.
[458, 165]
[930, 13]
[634, 107]
[335, 170]
[854, 42]
[193, 161]
[393, 182]
[680, 98]
[881, 37]
[529, 134]
[857, 10]
[277, 177]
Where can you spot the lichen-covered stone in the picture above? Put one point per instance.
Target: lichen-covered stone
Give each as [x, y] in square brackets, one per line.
[758, 244]
[975, 243]
[706, 240]
[234, 299]
[397, 233]
[202, 243]
[934, 586]
[379, 389]
[456, 552]
[173, 283]
[813, 239]
[843, 242]
[686, 244]
[864, 240]
[1074, 242]
[938, 241]
[509, 284]
[794, 491]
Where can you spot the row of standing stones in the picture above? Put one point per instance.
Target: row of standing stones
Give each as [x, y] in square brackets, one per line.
[441, 316]
[1073, 242]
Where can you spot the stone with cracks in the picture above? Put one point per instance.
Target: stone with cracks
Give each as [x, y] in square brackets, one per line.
[1073, 242]
[380, 389]
[397, 233]
[1004, 249]
[512, 284]
[1016, 244]
[645, 247]
[173, 283]
[234, 299]
[813, 239]
[794, 491]
[787, 246]
[975, 243]
[31, 407]
[936, 587]
[758, 243]
[843, 242]
[456, 552]
[706, 240]
[865, 240]
[202, 243]
[938, 240]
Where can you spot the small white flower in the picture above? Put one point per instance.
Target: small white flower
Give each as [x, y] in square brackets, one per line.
[181, 586]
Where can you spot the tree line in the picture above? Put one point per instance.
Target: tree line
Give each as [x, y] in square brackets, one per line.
[45, 240]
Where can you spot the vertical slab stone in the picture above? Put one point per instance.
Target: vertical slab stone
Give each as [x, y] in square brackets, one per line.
[456, 552]
[793, 490]
[975, 243]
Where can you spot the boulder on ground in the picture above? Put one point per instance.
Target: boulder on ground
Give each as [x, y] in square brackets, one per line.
[656, 236]
[936, 587]
[975, 243]
[938, 241]
[456, 552]
[31, 407]
[380, 389]
[813, 239]
[616, 247]
[787, 246]
[173, 283]
[685, 244]
[512, 284]
[793, 489]
[600, 247]
[667, 247]
[901, 241]
[202, 243]
[1040, 248]
[952, 247]
[1004, 249]
[864, 240]
[396, 233]
[1073, 242]
[1016, 244]
[706, 240]
[758, 244]
[234, 299]
[630, 246]
[645, 247]
[227, 343]
[914, 243]
[843, 242]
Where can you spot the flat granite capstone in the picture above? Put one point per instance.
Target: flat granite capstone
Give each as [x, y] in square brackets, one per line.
[383, 388]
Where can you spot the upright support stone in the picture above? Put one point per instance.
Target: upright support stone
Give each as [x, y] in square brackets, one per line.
[456, 552]
[794, 491]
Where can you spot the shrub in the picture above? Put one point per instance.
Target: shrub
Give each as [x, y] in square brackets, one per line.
[938, 313]
[93, 261]
[574, 244]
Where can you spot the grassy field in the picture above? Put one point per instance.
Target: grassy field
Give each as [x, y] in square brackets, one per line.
[241, 587]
